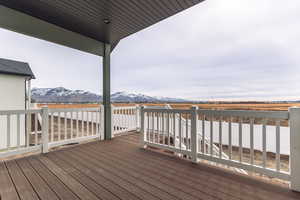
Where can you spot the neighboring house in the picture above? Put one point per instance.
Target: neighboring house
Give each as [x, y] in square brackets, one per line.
[15, 89]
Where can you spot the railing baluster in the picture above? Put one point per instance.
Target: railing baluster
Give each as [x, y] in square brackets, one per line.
[220, 138]
[211, 136]
[157, 125]
[240, 139]
[127, 119]
[187, 131]
[87, 123]
[264, 141]
[18, 130]
[36, 128]
[251, 142]
[278, 145]
[82, 124]
[59, 126]
[203, 135]
[163, 126]
[97, 130]
[230, 137]
[8, 132]
[28, 129]
[52, 127]
[99, 122]
[77, 124]
[153, 134]
[180, 132]
[71, 121]
[168, 128]
[66, 128]
[174, 129]
[92, 122]
[148, 126]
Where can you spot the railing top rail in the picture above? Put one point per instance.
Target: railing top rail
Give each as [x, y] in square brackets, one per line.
[55, 110]
[283, 115]
[16, 112]
[165, 110]
[123, 107]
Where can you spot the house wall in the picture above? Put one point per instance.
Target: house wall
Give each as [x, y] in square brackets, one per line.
[12, 97]
[12, 92]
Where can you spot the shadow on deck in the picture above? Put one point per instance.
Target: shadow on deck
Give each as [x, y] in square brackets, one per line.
[119, 169]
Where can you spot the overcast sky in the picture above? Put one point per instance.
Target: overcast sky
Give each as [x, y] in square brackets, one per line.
[232, 50]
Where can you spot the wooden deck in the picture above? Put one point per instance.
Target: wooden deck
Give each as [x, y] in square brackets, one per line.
[119, 169]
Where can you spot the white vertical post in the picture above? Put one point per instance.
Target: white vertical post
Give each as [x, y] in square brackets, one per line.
[29, 94]
[28, 115]
[194, 135]
[295, 147]
[138, 110]
[142, 130]
[99, 122]
[45, 134]
[113, 120]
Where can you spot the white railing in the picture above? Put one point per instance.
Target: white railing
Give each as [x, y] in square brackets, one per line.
[74, 125]
[26, 131]
[15, 132]
[231, 138]
[124, 119]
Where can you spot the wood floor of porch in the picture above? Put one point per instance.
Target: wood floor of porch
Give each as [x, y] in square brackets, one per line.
[119, 169]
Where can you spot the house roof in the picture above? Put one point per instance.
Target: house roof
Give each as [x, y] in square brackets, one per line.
[15, 68]
[107, 21]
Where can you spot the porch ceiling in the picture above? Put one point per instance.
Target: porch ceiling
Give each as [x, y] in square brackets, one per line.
[87, 17]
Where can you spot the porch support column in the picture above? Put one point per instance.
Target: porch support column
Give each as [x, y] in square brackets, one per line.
[106, 92]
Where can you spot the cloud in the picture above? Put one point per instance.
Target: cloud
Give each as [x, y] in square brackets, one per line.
[218, 50]
[226, 50]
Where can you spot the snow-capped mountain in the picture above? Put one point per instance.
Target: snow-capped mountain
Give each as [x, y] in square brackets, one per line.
[63, 95]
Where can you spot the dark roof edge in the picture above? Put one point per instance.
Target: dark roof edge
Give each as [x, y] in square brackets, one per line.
[18, 74]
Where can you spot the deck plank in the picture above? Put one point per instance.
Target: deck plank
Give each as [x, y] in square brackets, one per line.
[81, 191]
[93, 186]
[138, 183]
[7, 188]
[61, 190]
[237, 188]
[179, 190]
[212, 188]
[137, 167]
[113, 187]
[126, 175]
[41, 187]
[119, 169]
[24, 188]
[132, 188]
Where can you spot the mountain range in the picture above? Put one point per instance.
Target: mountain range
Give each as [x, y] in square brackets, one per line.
[63, 95]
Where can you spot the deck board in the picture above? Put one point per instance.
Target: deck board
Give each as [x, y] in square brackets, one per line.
[119, 169]
[7, 188]
[68, 180]
[40, 187]
[137, 179]
[180, 191]
[60, 189]
[23, 187]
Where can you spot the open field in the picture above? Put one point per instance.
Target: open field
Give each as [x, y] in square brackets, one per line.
[215, 106]
[212, 106]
